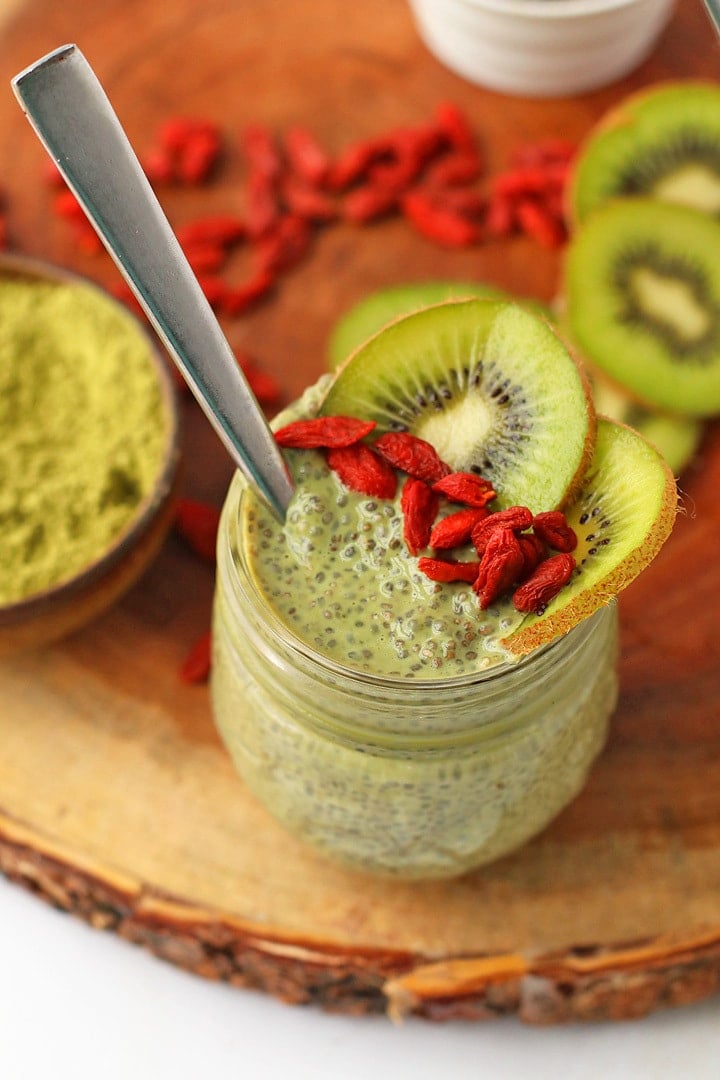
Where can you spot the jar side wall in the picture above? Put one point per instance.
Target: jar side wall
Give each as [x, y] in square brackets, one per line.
[413, 815]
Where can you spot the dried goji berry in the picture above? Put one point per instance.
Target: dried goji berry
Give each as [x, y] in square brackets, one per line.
[66, 205]
[195, 668]
[535, 220]
[457, 167]
[419, 505]
[369, 202]
[238, 298]
[552, 527]
[500, 566]
[361, 469]
[500, 217]
[306, 201]
[284, 246]
[220, 229]
[264, 386]
[260, 149]
[323, 431]
[262, 208]
[515, 518]
[158, 166]
[455, 126]
[544, 584]
[198, 156]
[197, 523]
[447, 570]
[305, 154]
[441, 224]
[533, 550]
[354, 161]
[456, 529]
[412, 455]
[465, 487]
[214, 289]
[205, 257]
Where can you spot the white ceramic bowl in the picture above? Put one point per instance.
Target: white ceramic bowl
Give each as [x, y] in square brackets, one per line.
[541, 48]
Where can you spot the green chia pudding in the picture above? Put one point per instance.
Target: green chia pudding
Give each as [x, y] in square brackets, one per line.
[376, 713]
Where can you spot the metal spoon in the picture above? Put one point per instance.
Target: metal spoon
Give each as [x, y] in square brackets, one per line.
[76, 123]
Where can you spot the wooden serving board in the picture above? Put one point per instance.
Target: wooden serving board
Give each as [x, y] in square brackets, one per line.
[117, 801]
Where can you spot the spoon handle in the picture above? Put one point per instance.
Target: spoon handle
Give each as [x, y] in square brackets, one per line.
[76, 123]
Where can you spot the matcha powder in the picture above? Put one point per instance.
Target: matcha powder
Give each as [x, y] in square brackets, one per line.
[82, 430]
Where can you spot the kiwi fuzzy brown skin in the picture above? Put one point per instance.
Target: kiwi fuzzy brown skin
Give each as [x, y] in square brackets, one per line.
[384, 370]
[637, 146]
[619, 444]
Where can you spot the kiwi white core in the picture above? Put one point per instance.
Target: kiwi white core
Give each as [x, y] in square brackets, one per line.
[456, 432]
[670, 301]
[691, 185]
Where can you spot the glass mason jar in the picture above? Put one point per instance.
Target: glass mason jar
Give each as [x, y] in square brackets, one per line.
[408, 778]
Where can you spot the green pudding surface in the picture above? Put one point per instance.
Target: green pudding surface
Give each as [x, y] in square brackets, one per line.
[339, 575]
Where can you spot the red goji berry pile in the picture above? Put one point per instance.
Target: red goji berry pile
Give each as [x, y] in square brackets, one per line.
[518, 552]
[433, 174]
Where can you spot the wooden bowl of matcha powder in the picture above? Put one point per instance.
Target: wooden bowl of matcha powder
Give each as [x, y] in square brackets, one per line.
[89, 449]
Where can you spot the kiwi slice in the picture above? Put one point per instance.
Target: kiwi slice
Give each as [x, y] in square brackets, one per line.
[662, 144]
[676, 437]
[642, 301]
[489, 385]
[622, 517]
[381, 307]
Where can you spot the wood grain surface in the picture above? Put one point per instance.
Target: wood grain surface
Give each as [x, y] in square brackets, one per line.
[117, 801]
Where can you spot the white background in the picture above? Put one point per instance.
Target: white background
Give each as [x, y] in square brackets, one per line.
[78, 1004]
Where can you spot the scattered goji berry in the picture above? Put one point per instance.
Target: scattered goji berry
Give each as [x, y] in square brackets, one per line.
[456, 127]
[419, 505]
[214, 289]
[195, 668]
[264, 386]
[260, 149]
[437, 222]
[323, 431]
[515, 518]
[544, 584]
[552, 528]
[197, 523]
[238, 298]
[361, 469]
[540, 224]
[306, 156]
[262, 207]
[307, 201]
[369, 202]
[353, 163]
[284, 246]
[457, 167]
[448, 570]
[500, 566]
[465, 487]
[205, 257]
[456, 529]
[412, 455]
[500, 218]
[220, 229]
